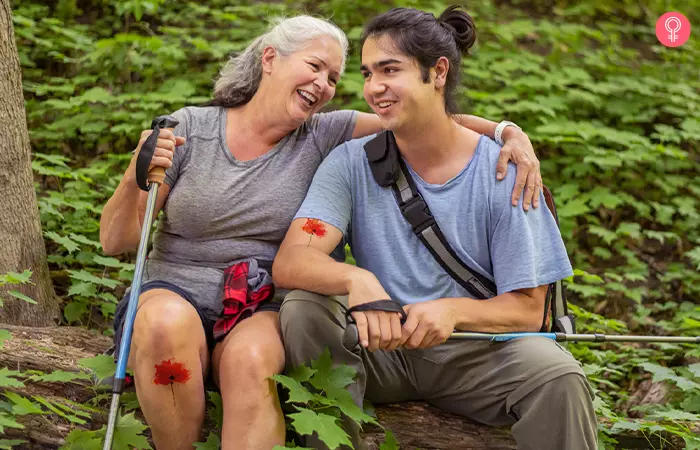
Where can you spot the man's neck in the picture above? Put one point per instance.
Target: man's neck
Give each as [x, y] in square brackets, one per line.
[438, 148]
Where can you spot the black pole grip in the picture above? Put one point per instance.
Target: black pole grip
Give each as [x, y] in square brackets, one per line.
[143, 161]
[351, 336]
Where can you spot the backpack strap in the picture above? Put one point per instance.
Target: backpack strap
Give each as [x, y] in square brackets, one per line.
[563, 321]
[389, 169]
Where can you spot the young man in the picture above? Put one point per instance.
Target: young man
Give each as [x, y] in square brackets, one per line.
[411, 63]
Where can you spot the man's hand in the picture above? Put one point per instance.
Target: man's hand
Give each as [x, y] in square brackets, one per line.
[378, 330]
[518, 148]
[428, 324]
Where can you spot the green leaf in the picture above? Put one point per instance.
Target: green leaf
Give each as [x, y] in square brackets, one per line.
[74, 311]
[695, 369]
[9, 422]
[102, 365]
[83, 240]
[84, 275]
[5, 335]
[16, 278]
[390, 442]
[62, 240]
[328, 378]
[22, 405]
[343, 400]
[7, 444]
[84, 440]
[213, 443]
[675, 414]
[217, 412]
[21, 296]
[297, 392]
[71, 418]
[109, 262]
[60, 376]
[7, 380]
[301, 373]
[83, 289]
[306, 422]
[128, 434]
[625, 425]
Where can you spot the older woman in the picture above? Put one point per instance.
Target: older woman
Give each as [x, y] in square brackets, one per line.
[236, 172]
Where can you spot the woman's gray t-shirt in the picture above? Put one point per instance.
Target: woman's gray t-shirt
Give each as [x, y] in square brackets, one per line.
[221, 210]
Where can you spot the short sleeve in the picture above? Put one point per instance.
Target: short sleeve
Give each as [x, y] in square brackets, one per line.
[527, 249]
[332, 129]
[330, 196]
[181, 153]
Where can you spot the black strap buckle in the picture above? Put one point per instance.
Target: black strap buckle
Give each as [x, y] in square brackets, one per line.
[417, 213]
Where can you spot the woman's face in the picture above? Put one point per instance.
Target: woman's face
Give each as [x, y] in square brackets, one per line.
[305, 80]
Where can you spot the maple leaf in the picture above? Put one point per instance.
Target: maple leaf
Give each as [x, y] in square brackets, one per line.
[7, 380]
[390, 442]
[127, 436]
[314, 227]
[168, 372]
[297, 392]
[329, 431]
[213, 443]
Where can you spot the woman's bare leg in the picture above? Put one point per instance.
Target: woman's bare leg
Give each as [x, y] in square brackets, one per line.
[168, 328]
[243, 364]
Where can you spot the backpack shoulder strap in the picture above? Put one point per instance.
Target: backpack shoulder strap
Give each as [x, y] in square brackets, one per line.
[389, 170]
[556, 295]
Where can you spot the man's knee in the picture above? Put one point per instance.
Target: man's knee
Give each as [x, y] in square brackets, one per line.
[307, 313]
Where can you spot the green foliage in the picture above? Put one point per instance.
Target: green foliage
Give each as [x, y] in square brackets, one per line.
[318, 396]
[128, 435]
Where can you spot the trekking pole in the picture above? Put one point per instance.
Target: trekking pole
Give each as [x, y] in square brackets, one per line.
[351, 338]
[147, 181]
[564, 337]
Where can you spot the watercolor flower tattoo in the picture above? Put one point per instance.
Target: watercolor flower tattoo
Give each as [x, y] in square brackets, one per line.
[315, 228]
[170, 372]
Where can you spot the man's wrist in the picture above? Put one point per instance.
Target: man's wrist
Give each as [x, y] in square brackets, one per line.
[357, 276]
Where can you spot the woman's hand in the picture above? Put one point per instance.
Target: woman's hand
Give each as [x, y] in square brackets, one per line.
[518, 148]
[165, 148]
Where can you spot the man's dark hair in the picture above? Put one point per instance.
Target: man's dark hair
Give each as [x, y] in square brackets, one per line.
[420, 35]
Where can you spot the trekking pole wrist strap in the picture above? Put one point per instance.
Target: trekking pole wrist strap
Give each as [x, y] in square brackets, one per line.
[143, 161]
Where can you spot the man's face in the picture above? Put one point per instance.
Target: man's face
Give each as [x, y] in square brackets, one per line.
[393, 86]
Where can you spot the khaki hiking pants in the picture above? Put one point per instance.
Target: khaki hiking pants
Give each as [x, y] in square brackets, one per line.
[532, 384]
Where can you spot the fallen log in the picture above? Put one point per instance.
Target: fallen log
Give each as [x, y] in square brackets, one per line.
[415, 424]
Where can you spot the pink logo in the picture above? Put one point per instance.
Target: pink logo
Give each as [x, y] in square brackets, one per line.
[673, 29]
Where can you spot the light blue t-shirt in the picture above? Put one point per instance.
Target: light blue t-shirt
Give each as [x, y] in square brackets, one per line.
[513, 248]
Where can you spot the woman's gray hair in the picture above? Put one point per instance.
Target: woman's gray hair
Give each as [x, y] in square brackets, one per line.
[240, 78]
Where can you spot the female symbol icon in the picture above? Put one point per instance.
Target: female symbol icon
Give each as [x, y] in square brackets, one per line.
[673, 29]
[673, 25]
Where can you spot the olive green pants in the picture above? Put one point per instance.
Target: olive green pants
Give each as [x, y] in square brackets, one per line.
[532, 384]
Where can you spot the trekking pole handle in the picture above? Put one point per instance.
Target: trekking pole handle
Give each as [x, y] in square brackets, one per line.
[145, 177]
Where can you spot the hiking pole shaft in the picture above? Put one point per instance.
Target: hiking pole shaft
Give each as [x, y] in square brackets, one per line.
[125, 343]
[563, 337]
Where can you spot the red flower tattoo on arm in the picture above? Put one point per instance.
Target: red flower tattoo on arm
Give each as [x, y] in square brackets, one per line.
[315, 228]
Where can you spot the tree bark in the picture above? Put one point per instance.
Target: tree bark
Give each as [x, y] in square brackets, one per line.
[21, 242]
[415, 424]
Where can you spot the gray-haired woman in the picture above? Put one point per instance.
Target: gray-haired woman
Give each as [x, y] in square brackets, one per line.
[236, 172]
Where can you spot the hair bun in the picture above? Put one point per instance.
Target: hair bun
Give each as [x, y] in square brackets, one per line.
[461, 25]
